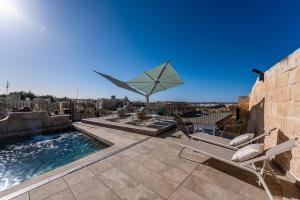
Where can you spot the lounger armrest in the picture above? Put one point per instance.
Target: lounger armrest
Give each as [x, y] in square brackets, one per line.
[214, 143]
[255, 160]
[271, 130]
[252, 140]
[257, 138]
[276, 150]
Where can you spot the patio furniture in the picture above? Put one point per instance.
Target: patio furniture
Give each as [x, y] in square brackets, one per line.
[201, 127]
[224, 155]
[122, 114]
[182, 125]
[224, 142]
[114, 114]
[141, 114]
[153, 117]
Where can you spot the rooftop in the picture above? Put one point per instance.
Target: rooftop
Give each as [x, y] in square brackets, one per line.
[151, 169]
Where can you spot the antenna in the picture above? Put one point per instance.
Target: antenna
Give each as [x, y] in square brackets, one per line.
[7, 86]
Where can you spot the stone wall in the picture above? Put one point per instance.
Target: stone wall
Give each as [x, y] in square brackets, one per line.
[275, 102]
[243, 105]
[25, 123]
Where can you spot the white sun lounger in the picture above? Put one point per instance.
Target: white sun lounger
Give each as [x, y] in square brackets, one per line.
[225, 155]
[224, 142]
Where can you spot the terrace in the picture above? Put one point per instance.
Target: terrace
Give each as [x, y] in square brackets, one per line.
[77, 144]
[151, 169]
[142, 160]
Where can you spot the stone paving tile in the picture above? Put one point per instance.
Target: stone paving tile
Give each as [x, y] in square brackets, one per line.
[168, 171]
[175, 174]
[172, 145]
[24, 196]
[129, 153]
[151, 163]
[63, 195]
[182, 193]
[92, 189]
[142, 148]
[100, 166]
[210, 190]
[185, 165]
[78, 176]
[154, 143]
[163, 154]
[171, 158]
[158, 141]
[163, 186]
[48, 189]
[122, 157]
[228, 182]
[126, 187]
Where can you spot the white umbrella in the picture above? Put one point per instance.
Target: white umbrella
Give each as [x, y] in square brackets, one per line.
[160, 78]
[152, 81]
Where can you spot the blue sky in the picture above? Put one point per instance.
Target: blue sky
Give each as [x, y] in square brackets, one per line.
[51, 46]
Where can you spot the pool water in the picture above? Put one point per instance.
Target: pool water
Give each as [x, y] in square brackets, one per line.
[25, 157]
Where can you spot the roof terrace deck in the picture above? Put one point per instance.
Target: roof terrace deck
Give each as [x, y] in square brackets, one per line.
[153, 170]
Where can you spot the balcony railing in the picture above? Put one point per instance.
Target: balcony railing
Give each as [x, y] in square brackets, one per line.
[209, 118]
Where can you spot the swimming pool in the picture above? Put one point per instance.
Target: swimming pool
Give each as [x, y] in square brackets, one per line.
[25, 157]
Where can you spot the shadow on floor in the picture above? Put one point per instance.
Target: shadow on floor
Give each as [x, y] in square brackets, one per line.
[286, 190]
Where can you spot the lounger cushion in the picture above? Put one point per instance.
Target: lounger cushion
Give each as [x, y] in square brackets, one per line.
[248, 152]
[241, 139]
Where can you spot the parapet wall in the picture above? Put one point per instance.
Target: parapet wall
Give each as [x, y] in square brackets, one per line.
[275, 102]
[24, 123]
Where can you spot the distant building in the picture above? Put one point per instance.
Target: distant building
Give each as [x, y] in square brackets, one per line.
[2, 104]
[85, 106]
[112, 103]
[64, 107]
[14, 102]
[40, 104]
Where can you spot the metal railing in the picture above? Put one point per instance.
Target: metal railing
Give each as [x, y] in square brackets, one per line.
[209, 118]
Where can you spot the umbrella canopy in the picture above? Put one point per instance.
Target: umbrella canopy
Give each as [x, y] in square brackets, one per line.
[152, 81]
[118, 83]
[157, 79]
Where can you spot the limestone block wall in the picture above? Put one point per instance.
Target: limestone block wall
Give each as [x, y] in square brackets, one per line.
[24, 123]
[275, 102]
[243, 105]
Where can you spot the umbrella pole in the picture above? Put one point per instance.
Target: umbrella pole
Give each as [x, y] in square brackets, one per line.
[147, 101]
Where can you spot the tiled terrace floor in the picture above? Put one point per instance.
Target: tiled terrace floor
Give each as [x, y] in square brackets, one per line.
[152, 170]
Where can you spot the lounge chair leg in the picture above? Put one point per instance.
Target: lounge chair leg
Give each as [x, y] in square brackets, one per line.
[177, 134]
[179, 155]
[262, 171]
[253, 165]
[262, 181]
